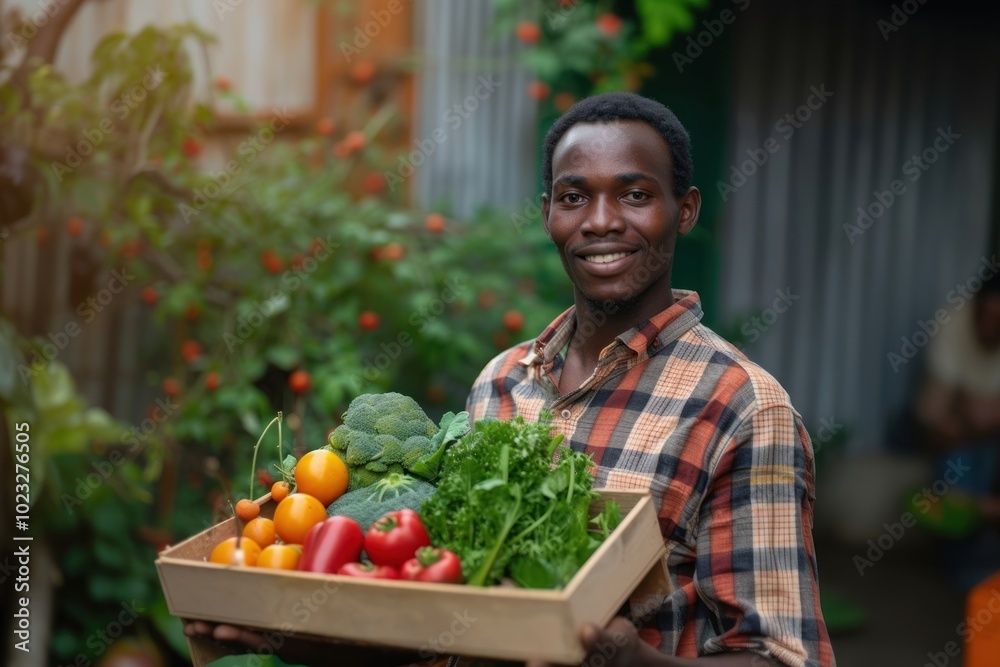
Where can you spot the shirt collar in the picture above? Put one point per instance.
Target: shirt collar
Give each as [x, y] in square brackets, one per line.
[661, 329]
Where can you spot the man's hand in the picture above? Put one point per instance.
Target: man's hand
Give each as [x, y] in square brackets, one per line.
[227, 633]
[618, 645]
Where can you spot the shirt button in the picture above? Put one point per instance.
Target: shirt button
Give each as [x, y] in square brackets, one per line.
[566, 414]
[656, 342]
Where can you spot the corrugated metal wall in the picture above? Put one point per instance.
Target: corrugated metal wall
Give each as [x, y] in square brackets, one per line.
[490, 145]
[784, 227]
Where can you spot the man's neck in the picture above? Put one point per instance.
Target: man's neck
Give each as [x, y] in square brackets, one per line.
[598, 324]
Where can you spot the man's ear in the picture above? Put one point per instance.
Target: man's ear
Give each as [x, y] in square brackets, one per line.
[690, 208]
[545, 213]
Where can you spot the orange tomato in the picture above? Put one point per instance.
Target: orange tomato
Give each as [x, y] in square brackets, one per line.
[279, 491]
[225, 552]
[280, 556]
[260, 530]
[247, 509]
[295, 515]
[322, 475]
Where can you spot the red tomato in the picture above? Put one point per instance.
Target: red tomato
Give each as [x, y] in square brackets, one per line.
[609, 24]
[191, 147]
[434, 223]
[395, 538]
[149, 296]
[374, 183]
[563, 101]
[368, 320]
[513, 321]
[433, 565]
[191, 351]
[223, 84]
[325, 126]
[331, 544]
[363, 71]
[528, 32]
[299, 381]
[171, 387]
[369, 571]
[538, 90]
[271, 262]
[192, 313]
[74, 227]
[212, 381]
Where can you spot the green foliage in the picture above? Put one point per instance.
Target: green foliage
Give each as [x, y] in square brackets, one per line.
[506, 511]
[585, 47]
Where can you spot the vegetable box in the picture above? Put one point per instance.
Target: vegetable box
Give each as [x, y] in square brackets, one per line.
[433, 619]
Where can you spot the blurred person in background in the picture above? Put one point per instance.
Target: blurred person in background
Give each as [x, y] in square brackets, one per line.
[958, 412]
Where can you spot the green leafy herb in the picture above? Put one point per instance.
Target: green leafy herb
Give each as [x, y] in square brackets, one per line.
[512, 502]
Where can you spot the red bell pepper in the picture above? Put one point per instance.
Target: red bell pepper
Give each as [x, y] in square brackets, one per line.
[395, 538]
[331, 544]
[369, 571]
[433, 565]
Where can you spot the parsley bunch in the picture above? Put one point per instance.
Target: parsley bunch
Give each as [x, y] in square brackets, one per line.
[512, 502]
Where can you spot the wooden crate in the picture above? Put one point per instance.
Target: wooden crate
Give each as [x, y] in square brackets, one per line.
[498, 623]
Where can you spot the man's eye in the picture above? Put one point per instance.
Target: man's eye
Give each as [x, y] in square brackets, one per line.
[637, 196]
[572, 198]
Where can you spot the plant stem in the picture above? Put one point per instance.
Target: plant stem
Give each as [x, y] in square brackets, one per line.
[253, 464]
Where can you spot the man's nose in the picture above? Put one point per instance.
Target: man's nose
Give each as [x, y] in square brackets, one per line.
[604, 217]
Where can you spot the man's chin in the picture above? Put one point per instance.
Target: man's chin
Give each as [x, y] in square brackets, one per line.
[611, 305]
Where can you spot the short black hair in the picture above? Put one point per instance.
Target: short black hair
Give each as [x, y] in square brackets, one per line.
[609, 107]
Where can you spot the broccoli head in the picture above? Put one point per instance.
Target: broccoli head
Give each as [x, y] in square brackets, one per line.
[381, 434]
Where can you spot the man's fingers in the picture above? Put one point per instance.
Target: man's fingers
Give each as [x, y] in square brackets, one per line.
[195, 628]
[230, 633]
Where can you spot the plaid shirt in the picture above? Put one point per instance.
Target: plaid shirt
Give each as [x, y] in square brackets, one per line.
[674, 408]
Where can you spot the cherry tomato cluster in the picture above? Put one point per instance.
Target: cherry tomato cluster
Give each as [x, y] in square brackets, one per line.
[397, 546]
[301, 537]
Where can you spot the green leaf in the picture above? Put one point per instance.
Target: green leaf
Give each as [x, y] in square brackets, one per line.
[169, 626]
[284, 357]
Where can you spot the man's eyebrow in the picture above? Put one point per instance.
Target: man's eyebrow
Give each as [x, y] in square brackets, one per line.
[571, 180]
[632, 177]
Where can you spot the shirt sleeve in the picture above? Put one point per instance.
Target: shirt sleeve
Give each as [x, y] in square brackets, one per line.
[756, 565]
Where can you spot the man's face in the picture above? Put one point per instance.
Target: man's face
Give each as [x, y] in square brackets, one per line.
[988, 320]
[613, 215]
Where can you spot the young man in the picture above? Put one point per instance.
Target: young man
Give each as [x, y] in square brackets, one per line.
[663, 403]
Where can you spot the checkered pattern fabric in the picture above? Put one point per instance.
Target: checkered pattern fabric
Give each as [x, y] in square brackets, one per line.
[675, 409]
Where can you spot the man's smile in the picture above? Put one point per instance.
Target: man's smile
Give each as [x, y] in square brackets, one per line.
[604, 259]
